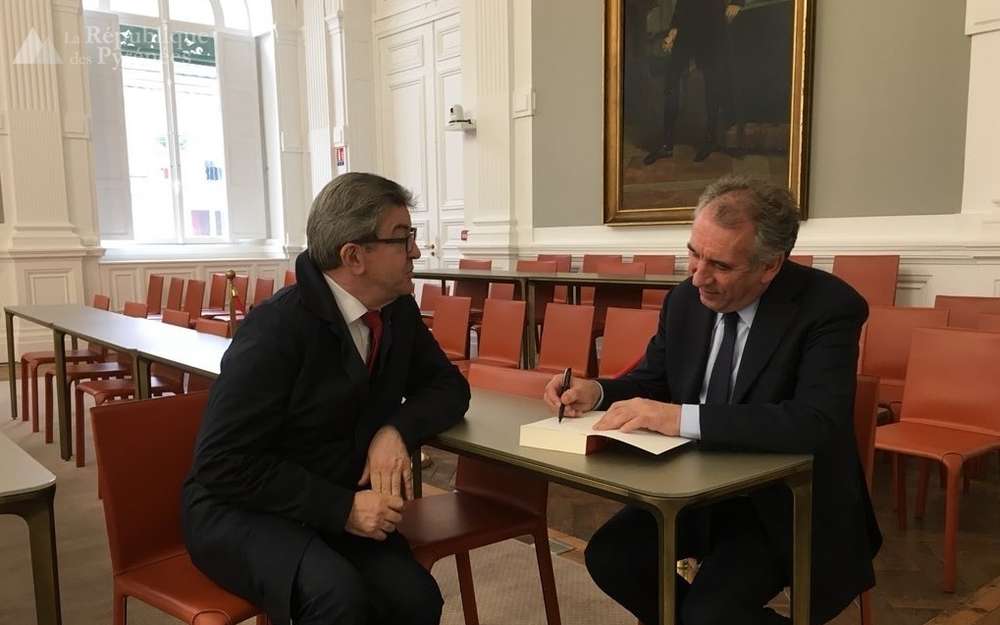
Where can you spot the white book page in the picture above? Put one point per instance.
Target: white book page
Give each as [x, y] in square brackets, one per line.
[653, 442]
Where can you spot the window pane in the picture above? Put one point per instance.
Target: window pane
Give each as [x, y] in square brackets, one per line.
[199, 127]
[150, 8]
[235, 14]
[146, 131]
[92, 5]
[194, 11]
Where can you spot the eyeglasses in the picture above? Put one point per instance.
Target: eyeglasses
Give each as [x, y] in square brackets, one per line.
[410, 240]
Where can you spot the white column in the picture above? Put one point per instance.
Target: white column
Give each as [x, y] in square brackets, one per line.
[351, 66]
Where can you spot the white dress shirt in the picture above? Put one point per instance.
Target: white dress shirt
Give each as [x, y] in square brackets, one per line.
[352, 310]
[690, 426]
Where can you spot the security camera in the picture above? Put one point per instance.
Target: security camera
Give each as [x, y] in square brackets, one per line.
[455, 113]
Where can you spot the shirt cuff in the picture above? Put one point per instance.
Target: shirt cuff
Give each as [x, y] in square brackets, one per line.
[600, 399]
[690, 426]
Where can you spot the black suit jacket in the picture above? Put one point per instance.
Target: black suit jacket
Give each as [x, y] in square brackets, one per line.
[286, 432]
[794, 393]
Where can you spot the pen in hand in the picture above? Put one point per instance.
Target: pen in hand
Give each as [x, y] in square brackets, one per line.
[567, 379]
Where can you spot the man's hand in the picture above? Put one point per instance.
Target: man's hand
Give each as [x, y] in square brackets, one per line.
[634, 414]
[732, 10]
[374, 515]
[581, 396]
[668, 41]
[388, 466]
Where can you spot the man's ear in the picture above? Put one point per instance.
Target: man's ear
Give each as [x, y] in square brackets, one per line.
[771, 269]
[352, 258]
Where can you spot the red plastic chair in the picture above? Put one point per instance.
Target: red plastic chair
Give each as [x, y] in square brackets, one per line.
[502, 334]
[656, 264]
[626, 335]
[430, 293]
[154, 294]
[951, 394]
[217, 291]
[263, 288]
[590, 262]
[566, 340]
[989, 322]
[806, 261]
[564, 263]
[31, 361]
[619, 296]
[451, 326]
[544, 292]
[964, 310]
[135, 309]
[874, 277]
[145, 450]
[888, 334]
[289, 277]
[194, 298]
[501, 290]
[477, 290]
[490, 503]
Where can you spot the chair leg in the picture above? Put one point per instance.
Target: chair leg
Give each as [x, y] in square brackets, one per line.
[544, 556]
[262, 619]
[24, 389]
[865, 602]
[48, 409]
[33, 387]
[953, 464]
[899, 462]
[119, 608]
[467, 588]
[924, 479]
[78, 429]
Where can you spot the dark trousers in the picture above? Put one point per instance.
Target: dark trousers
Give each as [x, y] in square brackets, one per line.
[710, 59]
[739, 572]
[347, 580]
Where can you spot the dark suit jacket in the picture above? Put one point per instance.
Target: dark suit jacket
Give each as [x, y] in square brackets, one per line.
[286, 432]
[794, 393]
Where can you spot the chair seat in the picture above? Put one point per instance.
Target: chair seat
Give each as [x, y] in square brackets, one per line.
[176, 586]
[465, 521]
[83, 370]
[49, 357]
[103, 390]
[932, 441]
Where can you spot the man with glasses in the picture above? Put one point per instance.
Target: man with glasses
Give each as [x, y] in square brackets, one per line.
[302, 464]
[754, 353]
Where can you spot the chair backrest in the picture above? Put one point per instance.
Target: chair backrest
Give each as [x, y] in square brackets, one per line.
[501, 290]
[865, 411]
[175, 292]
[951, 380]
[102, 302]
[964, 310]
[503, 328]
[989, 322]
[613, 268]
[242, 286]
[626, 334]
[176, 317]
[430, 293]
[154, 294]
[874, 277]
[263, 288]
[657, 264]
[652, 299]
[451, 325]
[566, 339]
[802, 260]
[145, 449]
[537, 266]
[477, 290]
[499, 482]
[217, 290]
[194, 298]
[564, 262]
[887, 338]
[289, 277]
[135, 309]
[590, 261]
[544, 293]
[212, 326]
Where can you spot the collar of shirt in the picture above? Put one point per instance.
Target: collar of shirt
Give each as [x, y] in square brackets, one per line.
[746, 314]
[350, 307]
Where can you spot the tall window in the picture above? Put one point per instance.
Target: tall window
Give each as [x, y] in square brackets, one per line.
[173, 114]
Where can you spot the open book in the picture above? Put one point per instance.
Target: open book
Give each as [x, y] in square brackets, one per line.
[577, 436]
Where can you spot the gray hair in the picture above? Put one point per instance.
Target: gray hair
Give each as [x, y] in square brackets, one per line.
[348, 209]
[769, 207]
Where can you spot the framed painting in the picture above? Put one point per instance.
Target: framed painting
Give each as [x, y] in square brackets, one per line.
[695, 89]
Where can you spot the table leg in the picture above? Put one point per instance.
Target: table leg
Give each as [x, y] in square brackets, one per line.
[62, 395]
[11, 366]
[37, 511]
[531, 350]
[141, 375]
[666, 519]
[801, 486]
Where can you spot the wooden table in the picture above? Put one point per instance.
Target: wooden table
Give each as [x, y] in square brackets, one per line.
[663, 485]
[527, 281]
[28, 489]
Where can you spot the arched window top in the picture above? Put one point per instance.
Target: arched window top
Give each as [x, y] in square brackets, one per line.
[148, 8]
[234, 14]
[193, 11]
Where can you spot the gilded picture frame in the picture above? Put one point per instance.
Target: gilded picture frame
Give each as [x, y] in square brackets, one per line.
[728, 91]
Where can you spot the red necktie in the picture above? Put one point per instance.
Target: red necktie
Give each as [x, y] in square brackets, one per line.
[373, 319]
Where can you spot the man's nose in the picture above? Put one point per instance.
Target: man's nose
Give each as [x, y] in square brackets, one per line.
[415, 252]
[700, 274]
